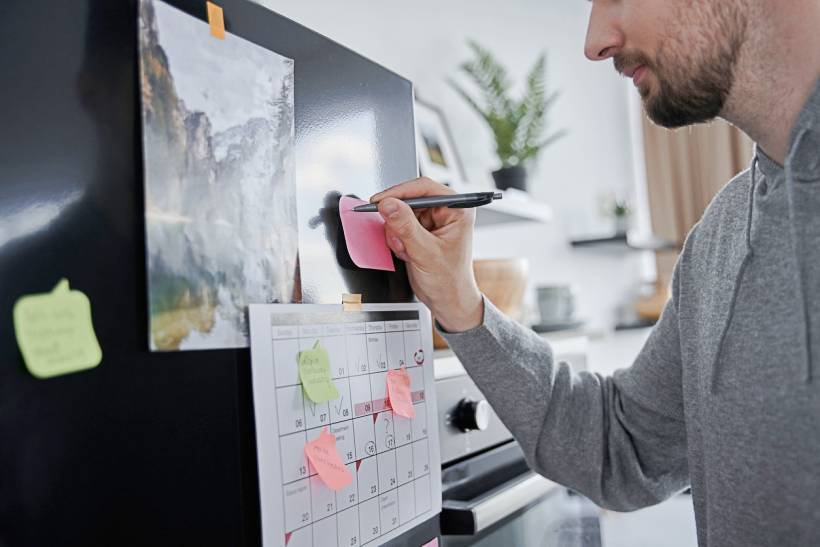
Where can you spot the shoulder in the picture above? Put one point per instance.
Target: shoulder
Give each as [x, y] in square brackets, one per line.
[716, 246]
[730, 206]
[724, 221]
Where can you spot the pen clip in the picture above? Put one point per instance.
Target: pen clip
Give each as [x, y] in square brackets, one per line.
[486, 199]
[477, 203]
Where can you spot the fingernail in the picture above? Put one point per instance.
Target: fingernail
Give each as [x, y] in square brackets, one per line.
[389, 208]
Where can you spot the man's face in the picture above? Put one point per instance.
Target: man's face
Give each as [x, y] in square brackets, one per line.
[681, 54]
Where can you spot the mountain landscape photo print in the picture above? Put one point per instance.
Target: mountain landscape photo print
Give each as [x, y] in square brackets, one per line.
[220, 194]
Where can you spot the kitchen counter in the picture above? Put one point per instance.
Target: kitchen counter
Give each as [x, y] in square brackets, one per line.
[598, 351]
[571, 346]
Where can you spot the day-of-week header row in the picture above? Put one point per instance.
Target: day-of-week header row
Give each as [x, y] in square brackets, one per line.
[304, 331]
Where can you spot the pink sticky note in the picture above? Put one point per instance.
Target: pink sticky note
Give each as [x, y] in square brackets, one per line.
[323, 455]
[432, 543]
[398, 391]
[364, 235]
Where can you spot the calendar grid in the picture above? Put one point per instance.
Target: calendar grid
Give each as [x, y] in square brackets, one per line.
[389, 456]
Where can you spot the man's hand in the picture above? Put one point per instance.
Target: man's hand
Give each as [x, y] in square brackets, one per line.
[437, 245]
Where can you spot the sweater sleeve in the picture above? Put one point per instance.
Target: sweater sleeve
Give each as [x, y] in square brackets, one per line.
[620, 440]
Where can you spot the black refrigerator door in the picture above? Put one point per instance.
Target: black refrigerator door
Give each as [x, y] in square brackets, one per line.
[151, 448]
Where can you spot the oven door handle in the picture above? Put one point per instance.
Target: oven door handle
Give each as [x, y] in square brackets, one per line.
[473, 516]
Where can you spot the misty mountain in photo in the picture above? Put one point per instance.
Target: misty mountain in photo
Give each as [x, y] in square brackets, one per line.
[220, 204]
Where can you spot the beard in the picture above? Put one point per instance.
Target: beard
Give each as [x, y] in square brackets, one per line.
[694, 74]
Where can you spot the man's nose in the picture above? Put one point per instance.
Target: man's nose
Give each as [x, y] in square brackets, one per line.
[604, 38]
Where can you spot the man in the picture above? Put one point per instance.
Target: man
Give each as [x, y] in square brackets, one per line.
[725, 396]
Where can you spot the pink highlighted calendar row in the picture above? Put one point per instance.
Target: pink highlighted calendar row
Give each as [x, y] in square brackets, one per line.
[358, 396]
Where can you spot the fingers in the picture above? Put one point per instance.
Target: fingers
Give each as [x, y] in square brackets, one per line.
[397, 247]
[426, 220]
[415, 188]
[401, 224]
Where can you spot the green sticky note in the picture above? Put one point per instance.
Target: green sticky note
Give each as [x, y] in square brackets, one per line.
[55, 333]
[314, 370]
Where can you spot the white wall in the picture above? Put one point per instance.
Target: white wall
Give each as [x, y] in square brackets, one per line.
[424, 40]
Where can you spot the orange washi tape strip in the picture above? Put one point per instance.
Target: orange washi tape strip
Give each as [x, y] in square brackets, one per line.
[352, 302]
[216, 20]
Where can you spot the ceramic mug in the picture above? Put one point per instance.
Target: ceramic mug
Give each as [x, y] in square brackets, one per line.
[556, 303]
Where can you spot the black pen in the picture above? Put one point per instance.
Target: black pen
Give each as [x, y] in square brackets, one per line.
[455, 201]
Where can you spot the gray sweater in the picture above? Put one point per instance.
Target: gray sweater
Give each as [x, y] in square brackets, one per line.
[724, 396]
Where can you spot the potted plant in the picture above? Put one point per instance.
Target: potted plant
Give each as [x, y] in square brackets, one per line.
[519, 126]
[619, 210]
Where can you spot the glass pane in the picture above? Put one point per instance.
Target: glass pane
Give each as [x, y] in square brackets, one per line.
[561, 520]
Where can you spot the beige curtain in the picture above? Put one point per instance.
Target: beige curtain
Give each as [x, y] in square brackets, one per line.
[685, 168]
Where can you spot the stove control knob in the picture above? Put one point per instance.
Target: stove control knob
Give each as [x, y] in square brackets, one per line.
[471, 415]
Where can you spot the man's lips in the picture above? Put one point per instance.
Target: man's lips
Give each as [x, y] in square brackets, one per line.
[636, 73]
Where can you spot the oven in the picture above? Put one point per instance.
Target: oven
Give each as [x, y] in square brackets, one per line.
[489, 495]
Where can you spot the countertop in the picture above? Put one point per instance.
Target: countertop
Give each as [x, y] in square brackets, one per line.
[597, 350]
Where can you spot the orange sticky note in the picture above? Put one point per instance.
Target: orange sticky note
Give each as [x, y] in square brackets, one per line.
[322, 453]
[216, 19]
[364, 236]
[398, 391]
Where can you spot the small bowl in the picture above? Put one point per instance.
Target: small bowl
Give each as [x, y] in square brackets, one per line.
[503, 281]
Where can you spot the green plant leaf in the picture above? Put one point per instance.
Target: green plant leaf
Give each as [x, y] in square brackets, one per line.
[532, 152]
[467, 98]
[517, 125]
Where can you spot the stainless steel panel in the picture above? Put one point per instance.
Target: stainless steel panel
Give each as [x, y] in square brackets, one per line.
[518, 494]
[456, 443]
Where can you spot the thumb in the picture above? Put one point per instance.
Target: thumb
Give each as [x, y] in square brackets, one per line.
[401, 222]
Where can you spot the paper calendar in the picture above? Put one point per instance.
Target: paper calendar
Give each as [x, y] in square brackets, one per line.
[394, 461]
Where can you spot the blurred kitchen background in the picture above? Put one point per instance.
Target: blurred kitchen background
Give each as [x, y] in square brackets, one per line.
[603, 277]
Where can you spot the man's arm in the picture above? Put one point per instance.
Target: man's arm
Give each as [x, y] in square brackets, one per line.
[620, 440]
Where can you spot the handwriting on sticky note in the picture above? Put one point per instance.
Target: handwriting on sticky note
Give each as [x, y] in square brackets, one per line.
[398, 391]
[314, 371]
[216, 20]
[55, 333]
[364, 236]
[322, 453]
